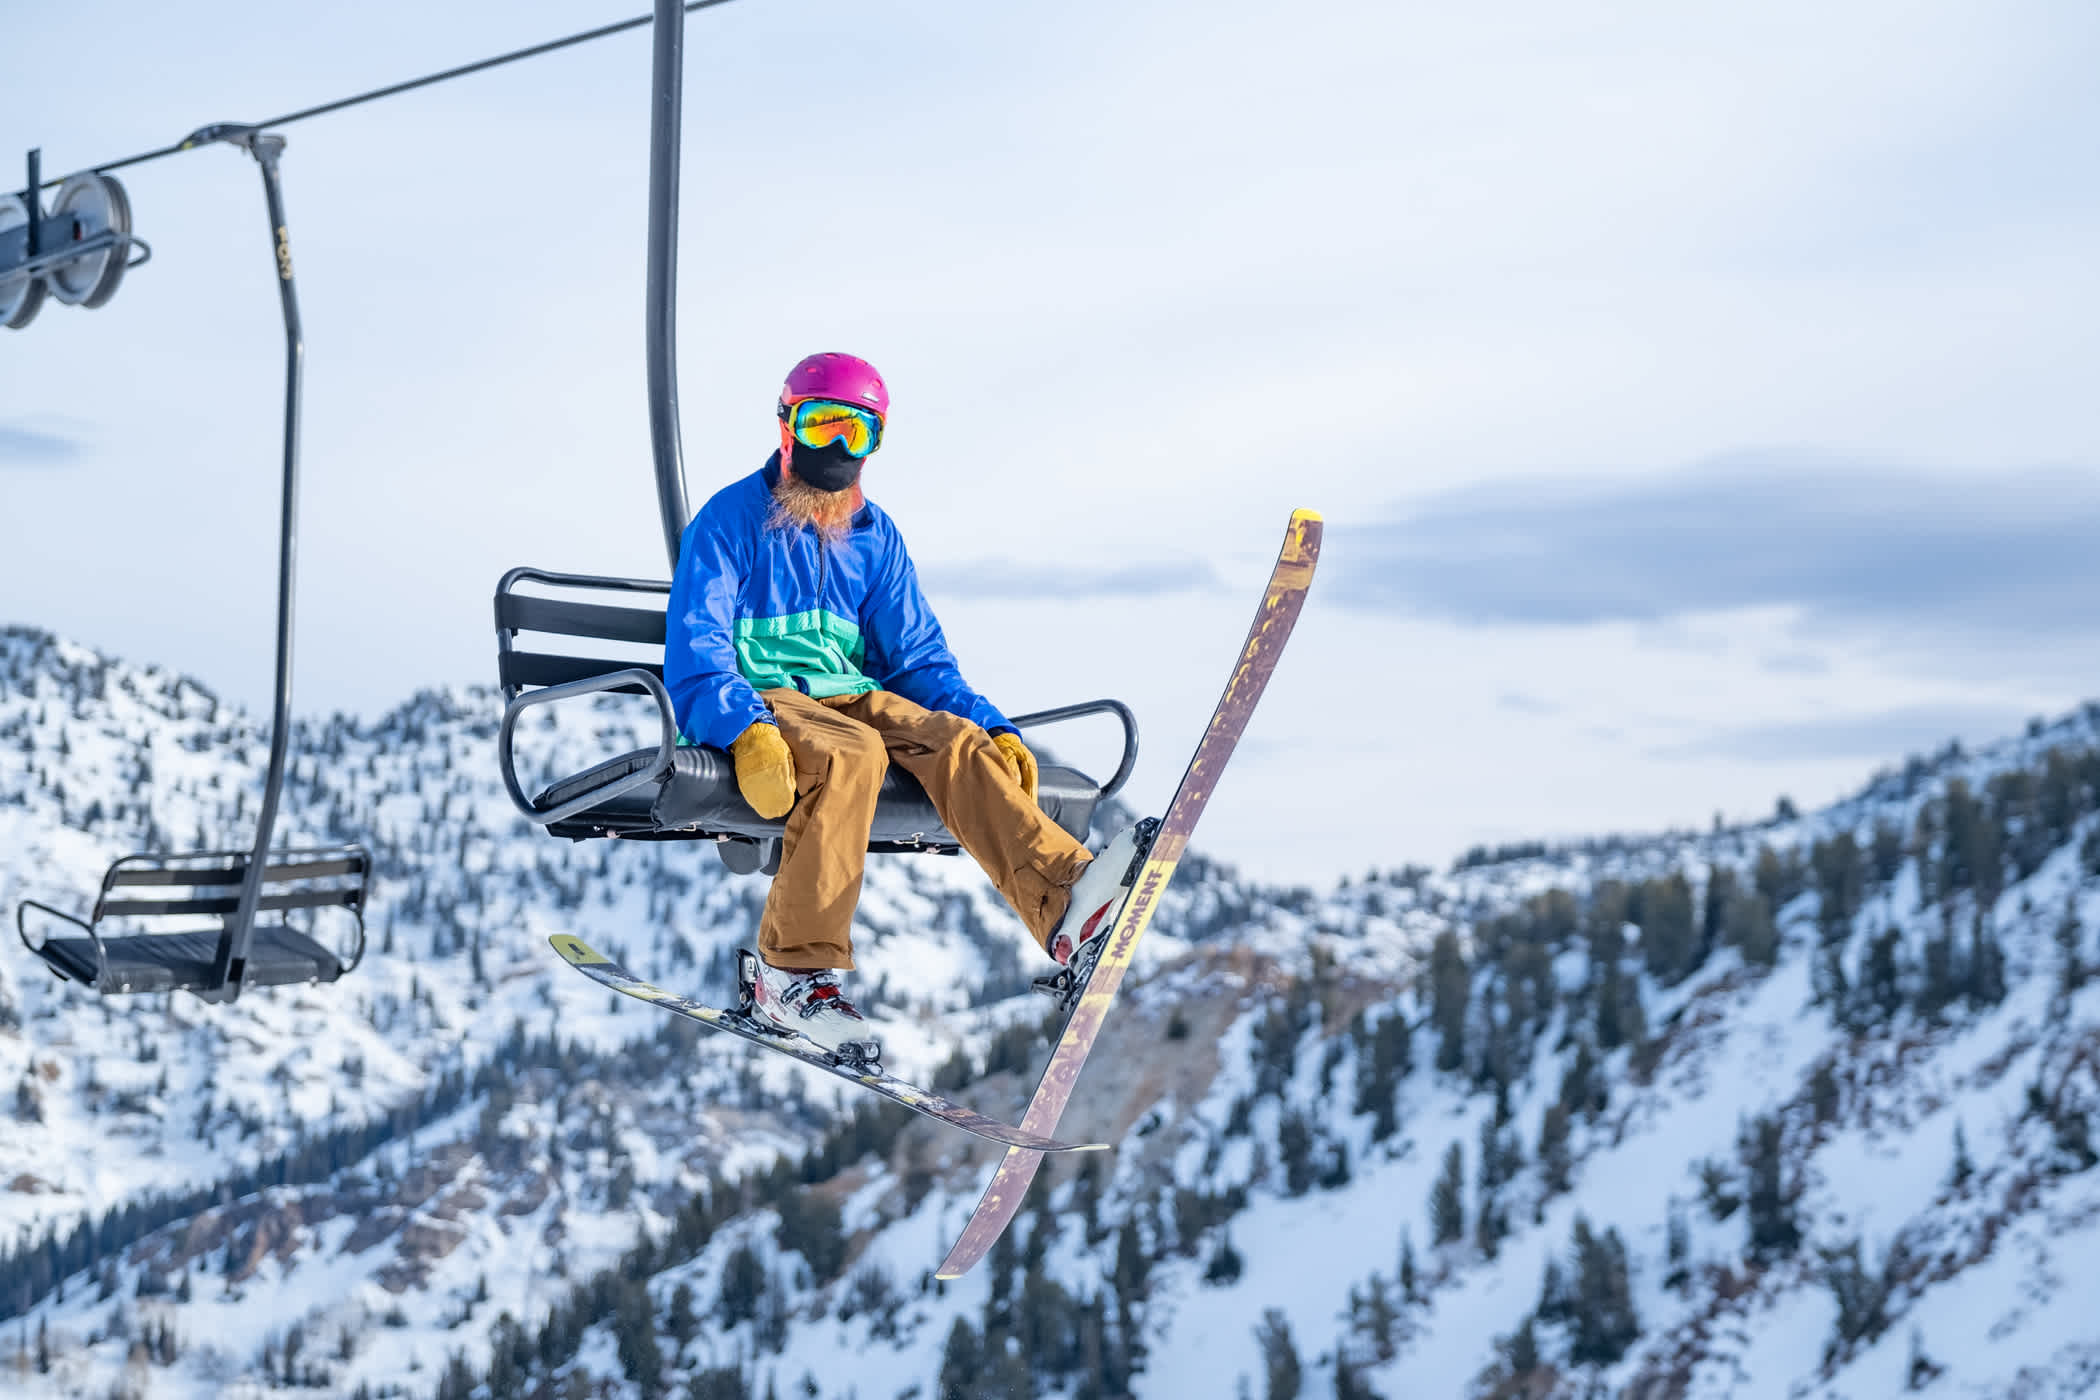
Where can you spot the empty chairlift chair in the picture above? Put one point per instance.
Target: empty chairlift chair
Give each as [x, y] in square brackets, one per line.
[191, 922]
[194, 900]
[687, 792]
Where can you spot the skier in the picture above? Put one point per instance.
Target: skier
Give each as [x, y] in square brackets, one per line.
[798, 639]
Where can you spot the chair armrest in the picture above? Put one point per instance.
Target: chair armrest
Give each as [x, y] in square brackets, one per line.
[667, 745]
[1093, 707]
[22, 932]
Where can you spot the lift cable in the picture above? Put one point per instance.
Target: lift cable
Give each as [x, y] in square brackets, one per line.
[197, 139]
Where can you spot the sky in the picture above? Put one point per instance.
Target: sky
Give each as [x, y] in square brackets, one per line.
[1699, 398]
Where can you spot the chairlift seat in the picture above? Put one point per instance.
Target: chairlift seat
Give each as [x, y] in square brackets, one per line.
[177, 962]
[699, 793]
[680, 791]
[206, 885]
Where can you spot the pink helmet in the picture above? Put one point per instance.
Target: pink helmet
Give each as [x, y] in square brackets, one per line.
[845, 378]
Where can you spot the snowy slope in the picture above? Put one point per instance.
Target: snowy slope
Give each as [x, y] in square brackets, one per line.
[502, 1130]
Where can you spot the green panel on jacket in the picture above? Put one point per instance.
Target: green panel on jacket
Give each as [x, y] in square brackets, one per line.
[816, 652]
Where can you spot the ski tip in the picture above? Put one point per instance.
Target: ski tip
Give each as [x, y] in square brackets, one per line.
[575, 951]
[1311, 517]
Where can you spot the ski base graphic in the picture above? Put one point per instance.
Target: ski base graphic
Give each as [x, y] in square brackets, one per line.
[1281, 603]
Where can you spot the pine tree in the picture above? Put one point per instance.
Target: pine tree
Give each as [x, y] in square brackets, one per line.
[1776, 878]
[1524, 1351]
[743, 1280]
[1611, 995]
[1294, 1146]
[1379, 1318]
[1410, 1281]
[1922, 1370]
[1669, 940]
[1499, 1158]
[1881, 979]
[961, 1363]
[1824, 1096]
[1349, 1383]
[1451, 989]
[1678, 1251]
[1556, 1303]
[1861, 1297]
[1382, 1061]
[1938, 984]
[1986, 981]
[1752, 930]
[2071, 971]
[1774, 1231]
[682, 1324]
[1555, 1161]
[1582, 1086]
[1133, 1273]
[634, 1329]
[1447, 1208]
[1963, 1167]
[1279, 1355]
[1489, 1227]
[1714, 904]
[1841, 881]
[1604, 1318]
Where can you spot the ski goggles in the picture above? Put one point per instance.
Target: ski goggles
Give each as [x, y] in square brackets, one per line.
[820, 422]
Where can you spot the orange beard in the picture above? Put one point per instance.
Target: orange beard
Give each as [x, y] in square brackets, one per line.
[797, 503]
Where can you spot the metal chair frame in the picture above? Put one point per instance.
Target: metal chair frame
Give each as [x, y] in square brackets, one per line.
[253, 868]
[564, 677]
[226, 870]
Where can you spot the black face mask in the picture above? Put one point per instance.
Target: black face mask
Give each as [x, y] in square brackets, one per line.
[828, 468]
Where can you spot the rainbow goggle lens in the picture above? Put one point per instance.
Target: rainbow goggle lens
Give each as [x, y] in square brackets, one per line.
[820, 422]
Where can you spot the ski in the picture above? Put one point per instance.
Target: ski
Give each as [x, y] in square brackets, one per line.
[864, 1072]
[1279, 610]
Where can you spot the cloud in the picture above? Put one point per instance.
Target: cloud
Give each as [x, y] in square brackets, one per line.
[1853, 546]
[1909, 729]
[1796, 663]
[992, 580]
[28, 447]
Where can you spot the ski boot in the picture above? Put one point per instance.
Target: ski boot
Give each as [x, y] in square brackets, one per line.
[808, 1005]
[1097, 903]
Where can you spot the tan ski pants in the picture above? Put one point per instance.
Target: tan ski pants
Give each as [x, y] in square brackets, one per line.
[842, 747]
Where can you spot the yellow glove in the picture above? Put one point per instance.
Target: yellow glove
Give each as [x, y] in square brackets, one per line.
[1019, 761]
[765, 770]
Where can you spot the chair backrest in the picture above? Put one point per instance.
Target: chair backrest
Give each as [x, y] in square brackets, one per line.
[568, 617]
[210, 882]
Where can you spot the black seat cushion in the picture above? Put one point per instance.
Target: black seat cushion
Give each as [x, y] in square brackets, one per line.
[168, 962]
[700, 795]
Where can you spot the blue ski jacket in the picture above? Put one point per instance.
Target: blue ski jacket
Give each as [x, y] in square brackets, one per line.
[755, 608]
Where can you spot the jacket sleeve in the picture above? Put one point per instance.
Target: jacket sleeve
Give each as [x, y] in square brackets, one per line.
[907, 653]
[709, 695]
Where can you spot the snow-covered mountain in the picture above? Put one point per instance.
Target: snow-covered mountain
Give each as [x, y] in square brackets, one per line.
[1795, 1109]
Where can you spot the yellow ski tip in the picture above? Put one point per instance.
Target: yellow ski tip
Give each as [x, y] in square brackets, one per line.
[574, 950]
[1310, 516]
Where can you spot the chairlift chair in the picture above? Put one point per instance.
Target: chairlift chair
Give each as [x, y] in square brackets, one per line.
[207, 885]
[675, 791]
[225, 890]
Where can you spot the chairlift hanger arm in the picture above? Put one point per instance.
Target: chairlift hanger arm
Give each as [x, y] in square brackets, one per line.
[231, 963]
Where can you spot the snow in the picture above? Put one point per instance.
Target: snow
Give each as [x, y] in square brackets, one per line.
[169, 1094]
